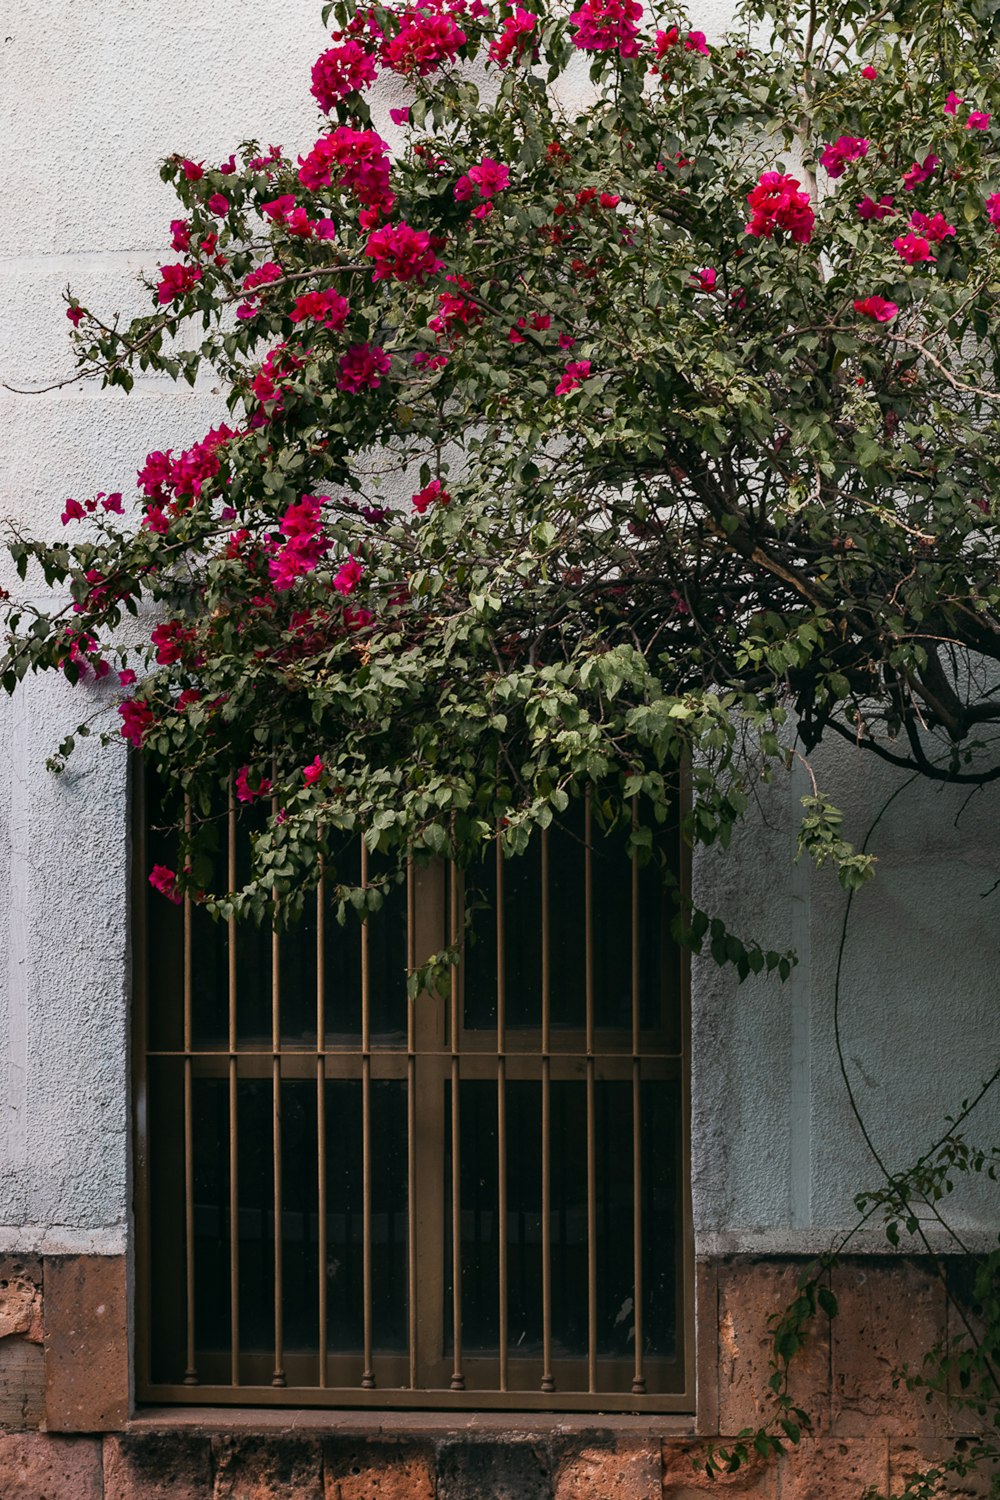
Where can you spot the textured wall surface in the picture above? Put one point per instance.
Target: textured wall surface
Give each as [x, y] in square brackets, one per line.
[92, 96]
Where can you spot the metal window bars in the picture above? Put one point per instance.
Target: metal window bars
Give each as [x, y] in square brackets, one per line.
[349, 1197]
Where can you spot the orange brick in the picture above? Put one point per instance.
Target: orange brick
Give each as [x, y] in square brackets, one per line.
[682, 1481]
[891, 1312]
[157, 1466]
[616, 1471]
[750, 1292]
[39, 1466]
[379, 1471]
[267, 1468]
[833, 1469]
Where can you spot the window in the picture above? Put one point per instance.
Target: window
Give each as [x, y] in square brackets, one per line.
[345, 1197]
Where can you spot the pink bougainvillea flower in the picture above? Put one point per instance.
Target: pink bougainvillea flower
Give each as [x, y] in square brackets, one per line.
[515, 38]
[171, 640]
[113, 504]
[247, 793]
[913, 248]
[992, 207]
[328, 308]
[312, 773]
[278, 209]
[836, 156]
[877, 308]
[136, 717]
[869, 72]
[228, 167]
[565, 341]
[869, 209]
[164, 880]
[175, 282]
[952, 103]
[363, 366]
[422, 43]
[305, 546]
[935, 228]
[348, 576]
[401, 253]
[353, 159]
[72, 511]
[706, 278]
[574, 374]
[194, 171]
[341, 71]
[490, 177]
[218, 204]
[400, 116]
[977, 120]
[778, 203]
[919, 172]
[154, 519]
[607, 26]
[75, 315]
[695, 42]
[180, 236]
[126, 677]
[664, 40]
[430, 494]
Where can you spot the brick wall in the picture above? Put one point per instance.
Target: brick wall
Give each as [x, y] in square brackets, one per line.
[66, 1432]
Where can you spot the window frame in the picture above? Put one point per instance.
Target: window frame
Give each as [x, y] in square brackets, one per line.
[433, 916]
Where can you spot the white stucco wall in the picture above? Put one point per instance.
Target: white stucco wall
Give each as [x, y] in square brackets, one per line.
[91, 98]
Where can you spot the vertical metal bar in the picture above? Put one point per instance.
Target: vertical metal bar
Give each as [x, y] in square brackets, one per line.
[638, 1379]
[278, 1378]
[548, 1380]
[457, 1377]
[368, 1374]
[190, 1371]
[321, 1121]
[411, 1126]
[234, 1181]
[501, 1118]
[591, 1121]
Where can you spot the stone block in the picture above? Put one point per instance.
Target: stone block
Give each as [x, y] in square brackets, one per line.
[267, 1468]
[21, 1297]
[379, 1471]
[833, 1469]
[891, 1312]
[921, 1454]
[682, 1481]
[471, 1470]
[749, 1293]
[22, 1384]
[86, 1343]
[611, 1471]
[37, 1466]
[157, 1466]
[706, 1302]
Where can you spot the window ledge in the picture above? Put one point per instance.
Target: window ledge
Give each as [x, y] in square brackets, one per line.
[210, 1420]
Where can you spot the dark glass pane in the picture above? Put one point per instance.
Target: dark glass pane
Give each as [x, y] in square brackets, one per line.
[299, 1214]
[387, 954]
[165, 930]
[165, 1159]
[661, 1214]
[345, 1216]
[615, 1260]
[611, 873]
[255, 1107]
[297, 967]
[253, 944]
[210, 1112]
[568, 910]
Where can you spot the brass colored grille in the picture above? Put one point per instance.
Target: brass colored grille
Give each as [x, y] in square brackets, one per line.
[346, 1197]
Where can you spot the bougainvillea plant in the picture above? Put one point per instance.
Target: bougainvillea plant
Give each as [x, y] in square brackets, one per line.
[565, 442]
[562, 442]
